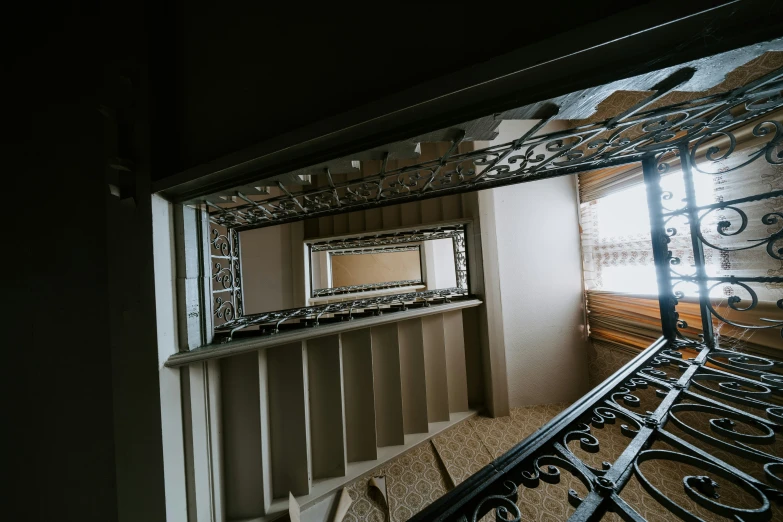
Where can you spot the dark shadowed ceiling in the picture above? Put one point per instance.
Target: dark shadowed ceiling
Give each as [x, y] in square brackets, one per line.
[235, 79]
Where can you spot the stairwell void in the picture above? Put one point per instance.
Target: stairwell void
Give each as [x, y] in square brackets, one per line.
[304, 385]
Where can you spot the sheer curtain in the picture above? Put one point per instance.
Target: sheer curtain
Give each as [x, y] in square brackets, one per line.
[619, 270]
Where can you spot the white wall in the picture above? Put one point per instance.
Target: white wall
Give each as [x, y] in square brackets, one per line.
[439, 263]
[539, 269]
[321, 269]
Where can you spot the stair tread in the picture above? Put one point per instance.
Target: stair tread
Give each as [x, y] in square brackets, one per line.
[323, 487]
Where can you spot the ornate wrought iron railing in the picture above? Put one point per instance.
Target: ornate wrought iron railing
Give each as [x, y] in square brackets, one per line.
[645, 128]
[688, 429]
[384, 239]
[382, 250]
[344, 311]
[225, 258]
[355, 289]
[398, 241]
[732, 222]
[225, 254]
[692, 428]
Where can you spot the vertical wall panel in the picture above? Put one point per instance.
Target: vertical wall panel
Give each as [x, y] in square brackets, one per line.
[373, 219]
[359, 391]
[431, 210]
[410, 213]
[454, 340]
[288, 420]
[390, 216]
[387, 386]
[356, 219]
[242, 449]
[327, 436]
[452, 207]
[412, 376]
[434, 346]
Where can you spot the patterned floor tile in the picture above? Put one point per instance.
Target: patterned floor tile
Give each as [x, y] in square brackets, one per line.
[413, 481]
[367, 503]
[461, 451]
[531, 418]
[424, 473]
[498, 435]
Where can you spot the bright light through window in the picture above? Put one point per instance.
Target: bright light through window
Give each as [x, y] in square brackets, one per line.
[618, 250]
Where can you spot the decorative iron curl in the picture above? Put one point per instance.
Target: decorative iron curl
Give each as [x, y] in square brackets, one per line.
[379, 250]
[223, 276]
[392, 238]
[723, 225]
[702, 489]
[623, 139]
[738, 390]
[667, 195]
[733, 302]
[545, 469]
[221, 243]
[745, 363]
[589, 443]
[774, 473]
[224, 309]
[504, 505]
[723, 424]
[714, 154]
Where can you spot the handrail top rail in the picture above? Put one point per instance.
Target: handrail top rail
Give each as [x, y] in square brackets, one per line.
[239, 346]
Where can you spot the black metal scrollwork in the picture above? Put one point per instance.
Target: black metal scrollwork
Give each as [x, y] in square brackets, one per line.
[618, 140]
[688, 406]
[383, 239]
[323, 292]
[343, 310]
[226, 275]
[382, 250]
[702, 489]
[717, 408]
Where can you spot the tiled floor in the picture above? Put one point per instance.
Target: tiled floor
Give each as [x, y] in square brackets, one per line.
[424, 473]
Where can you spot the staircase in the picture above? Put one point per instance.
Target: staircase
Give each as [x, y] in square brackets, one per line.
[307, 410]
[309, 416]
[444, 208]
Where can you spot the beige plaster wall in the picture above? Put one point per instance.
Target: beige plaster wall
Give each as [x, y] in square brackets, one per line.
[272, 268]
[375, 268]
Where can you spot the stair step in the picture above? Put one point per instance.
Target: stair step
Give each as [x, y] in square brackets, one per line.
[309, 416]
[322, 488]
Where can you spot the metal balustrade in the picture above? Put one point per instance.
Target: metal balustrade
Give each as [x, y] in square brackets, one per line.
[682, 404]
[369, 287]
[683, 401]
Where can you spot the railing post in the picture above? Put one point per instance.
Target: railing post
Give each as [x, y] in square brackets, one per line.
[698, 248]
[660, 247]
